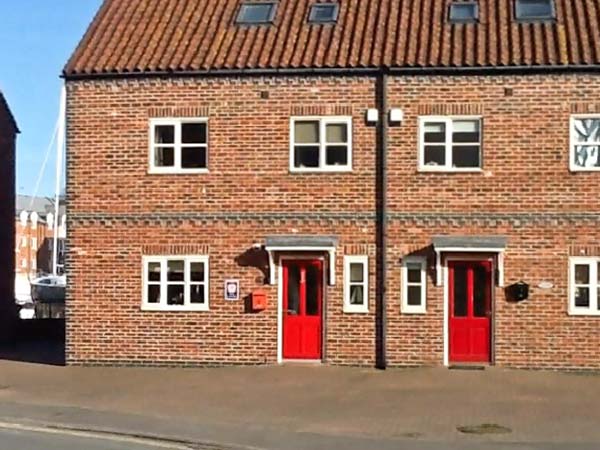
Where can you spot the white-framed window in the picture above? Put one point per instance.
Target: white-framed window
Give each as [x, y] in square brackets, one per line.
[585, 142]
[33, 263]
[175, 283]
[356, 284]
[24, 242]
[178, 145]
[24, 263]
[414, 285]
[450, 144]
[321, 144]
[34, 243]
[584, 286]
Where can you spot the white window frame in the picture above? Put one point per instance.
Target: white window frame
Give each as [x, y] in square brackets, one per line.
[354, 259]
[34, 243]
[447, 167]
[405, 307]
[24, 242]
[323, 122]
[592, 310]
[162, 305]
[177, 124]
[573, 142]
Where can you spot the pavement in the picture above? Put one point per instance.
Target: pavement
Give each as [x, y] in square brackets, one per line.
[300, 407]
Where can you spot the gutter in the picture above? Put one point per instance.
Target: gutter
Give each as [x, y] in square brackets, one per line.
[381, 222]
[356, 71]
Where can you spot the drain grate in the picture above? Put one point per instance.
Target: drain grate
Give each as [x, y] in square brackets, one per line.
[485, 428]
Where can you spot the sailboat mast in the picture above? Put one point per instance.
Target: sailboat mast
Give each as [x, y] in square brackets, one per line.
[60, 144]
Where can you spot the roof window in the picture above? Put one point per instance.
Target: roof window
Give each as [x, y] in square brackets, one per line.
[323, 13]
[534, 10]
[256, 13]
[463, 12]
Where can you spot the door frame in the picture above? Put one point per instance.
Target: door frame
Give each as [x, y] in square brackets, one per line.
[293, 257]
[474, 258]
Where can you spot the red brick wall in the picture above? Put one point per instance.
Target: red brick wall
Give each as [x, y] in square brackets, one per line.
[7, 222]
[525, 191]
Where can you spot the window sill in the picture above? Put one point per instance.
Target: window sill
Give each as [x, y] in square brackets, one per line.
[412, 312]
[588, 313]
[177, 171]
[355, 311]
[446, 170]
[162, 308]
[324, 170]
[584, 169]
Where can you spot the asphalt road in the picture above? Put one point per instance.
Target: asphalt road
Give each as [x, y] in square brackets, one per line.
[34, 440]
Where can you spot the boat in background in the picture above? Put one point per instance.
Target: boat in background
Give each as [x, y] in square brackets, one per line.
[49, 289]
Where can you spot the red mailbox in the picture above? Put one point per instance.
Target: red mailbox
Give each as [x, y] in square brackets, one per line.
[259, 300]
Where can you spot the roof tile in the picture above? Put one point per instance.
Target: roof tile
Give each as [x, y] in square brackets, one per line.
[201, 35]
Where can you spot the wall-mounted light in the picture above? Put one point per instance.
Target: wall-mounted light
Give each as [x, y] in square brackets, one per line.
[396, 115]
[372, 115]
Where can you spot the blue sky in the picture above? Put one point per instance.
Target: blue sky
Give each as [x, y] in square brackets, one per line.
[36, 39]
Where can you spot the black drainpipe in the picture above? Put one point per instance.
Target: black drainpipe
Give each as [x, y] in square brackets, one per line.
[381, 220]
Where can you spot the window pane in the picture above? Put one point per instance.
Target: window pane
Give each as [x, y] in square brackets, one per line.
[337, 155]
[534, 9]
[480, 292]
[414, 295]
[435, 132]
[154, 271]
[312, 290]
[460, 292]
[306, 132]
[337, 133]
[356, 272]
[465, 131]
[193, 158]
[414, 272]
[193, 133]
[324, 12]
[255, 13]
[357, 295]
[175, 294]
[462, 12]
[153, 293]
[164, 134]
[435, 155]
[582, 297]
[465, 156]
[587, 155]
[175, 270]
[197, 293]
[587, 130]
[197, 271]
[306, 157]
[164, 157]
[293, 290]
[582, 274]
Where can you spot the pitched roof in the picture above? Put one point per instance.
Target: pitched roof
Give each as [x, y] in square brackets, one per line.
[133, 36]
[6, 114]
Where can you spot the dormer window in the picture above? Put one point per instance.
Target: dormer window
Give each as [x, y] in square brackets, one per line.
[323, 13]
[256, 13]
[463, 12]
[534, 10]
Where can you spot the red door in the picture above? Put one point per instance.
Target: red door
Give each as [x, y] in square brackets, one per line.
[302, 308]
[470, 289]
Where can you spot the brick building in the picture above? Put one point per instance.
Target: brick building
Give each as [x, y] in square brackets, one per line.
[403, 183]
[8, 139]
[34, 240]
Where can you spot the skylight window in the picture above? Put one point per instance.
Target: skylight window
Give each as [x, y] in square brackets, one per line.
[256, 13]
[323, 13]
[534, 9]
[464, 12]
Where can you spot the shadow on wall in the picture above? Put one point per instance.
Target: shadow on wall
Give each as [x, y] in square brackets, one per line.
[38, 342]
[259, 259]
